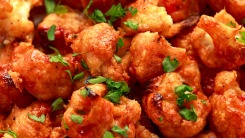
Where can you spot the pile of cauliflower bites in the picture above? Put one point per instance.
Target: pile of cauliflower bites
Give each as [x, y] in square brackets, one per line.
[122, 69]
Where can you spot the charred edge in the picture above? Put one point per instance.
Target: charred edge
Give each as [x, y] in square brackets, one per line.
[90, 93]
[8, 79]
[157, 100]
[190, 21]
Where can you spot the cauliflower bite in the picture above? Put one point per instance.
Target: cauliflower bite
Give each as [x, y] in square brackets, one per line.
[67, 26]
[160, 104]
[142, 132]
[228, 102]
[14, 21]
[97, 45]
[30, 122]
[148, 18]
[42, 78]
[148, 50]
[219, 44]
[97, 116]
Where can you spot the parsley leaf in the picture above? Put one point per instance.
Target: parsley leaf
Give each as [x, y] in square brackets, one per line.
[10, 132]
[117, 58]
[76, 118]
[98, 16]
[85, 11]
[57, 58]
[96, 80]
[188, 114]
[119, 44]
[51, 33]
[108, 134]
[37, 119]
[170, 66]
[131, 25]
[115, 12]
[231, 24]
[57, 104]
[69, 73]
[161, 119]
[83, 63]
[183, 92]
[133, 10]
[242, 38]
[65, 125]
[115, 89]
[84, 92]
[51, 7]
[204, 102]
[75, 54]
[120, 131]
[78, 76]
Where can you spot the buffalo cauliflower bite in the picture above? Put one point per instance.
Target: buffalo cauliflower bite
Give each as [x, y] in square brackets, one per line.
[228, 102]
[217, 43]
[149, 17]
[161, 107]
[15, 23]
[148, 50]
[67, 26]
[99, 115]
[97, 45]
[42, 78]
[20, 122]
[142, 132]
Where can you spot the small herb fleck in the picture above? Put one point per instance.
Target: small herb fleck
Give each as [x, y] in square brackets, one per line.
[57, 104]
[76, 118]
[170, 65]
[51, 33]
[37, 119]
[131, 25]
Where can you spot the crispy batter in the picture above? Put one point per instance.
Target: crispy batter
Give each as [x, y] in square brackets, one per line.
[97, 44]
[228, 102]
[161, 103]
[43, 79]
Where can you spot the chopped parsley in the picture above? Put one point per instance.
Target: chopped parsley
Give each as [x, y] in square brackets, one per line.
[161, 119]
[108, 134]
[231, 24]
[183, 92]
[78, 76]
[98, 16]
[242, 38]
[115, 89]
[51, 33]
[117, 58]
[132, 10]
[84, 93]
[131, 25]
[120, 131]
[119, 44]
[37, 119]
[204, 102]
[10, 132]
[83, 63]
[115, 12]
[75, 54]
[170, 65]
[52, 7]
[57, 104]
[57, 58]
[76, 118]
[188, 114]
[96, 80]
[65, 125]
[85, 11]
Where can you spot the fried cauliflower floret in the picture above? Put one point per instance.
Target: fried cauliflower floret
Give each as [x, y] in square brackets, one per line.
[99, 115]
[217, 45]
[42, 78]
[148, 50]
[97, 45]
[15, 23]
[19, 121]
[228, 102]
[161, 107]
[149, 18]
[142, 132]
[179, 9]
[67, 26]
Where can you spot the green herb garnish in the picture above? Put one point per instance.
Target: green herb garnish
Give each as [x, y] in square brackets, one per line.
[76, 118]
[119, 44]
[51, 7]
[170, 65]
[96, 80]
[120, 131]
[83, 63]
[10, 132]
[51, 33]
[57, 58]
[57, 104]
[37, 119]
[188, 114]
[117, 58]
[242, 38]
[133, 10]
[131, 25]
[84, 93]
[115, 12]
[231, 24]
[98, 16]
[108, 134]
[183, 92]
